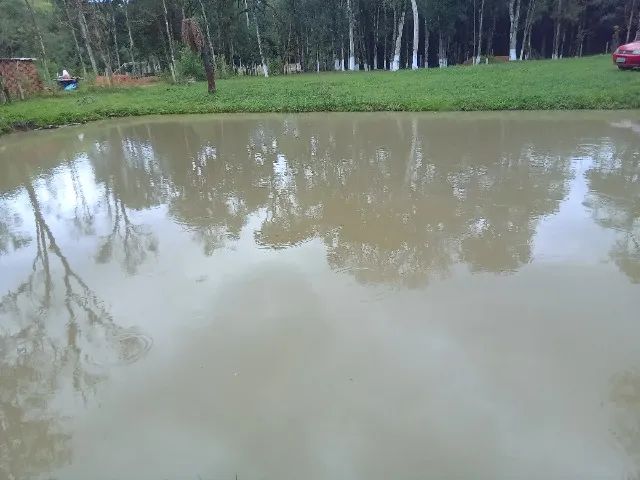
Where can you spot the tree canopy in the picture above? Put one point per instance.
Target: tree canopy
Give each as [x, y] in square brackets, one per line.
[282, 36]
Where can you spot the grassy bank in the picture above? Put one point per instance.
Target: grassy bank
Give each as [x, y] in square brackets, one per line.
[586, 83]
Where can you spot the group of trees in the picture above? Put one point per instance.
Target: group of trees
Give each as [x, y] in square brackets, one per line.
[276, 36]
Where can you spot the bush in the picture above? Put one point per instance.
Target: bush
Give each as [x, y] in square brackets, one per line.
[223, 70]
[498, 59]
[275, 66]
[190, 66]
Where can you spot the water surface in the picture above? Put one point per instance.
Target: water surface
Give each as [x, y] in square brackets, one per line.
[352, 296]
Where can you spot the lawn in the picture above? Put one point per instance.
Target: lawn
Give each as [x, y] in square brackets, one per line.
[585, 83]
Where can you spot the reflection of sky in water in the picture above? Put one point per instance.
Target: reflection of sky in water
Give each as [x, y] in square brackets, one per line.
[571, 235]
[497, 359]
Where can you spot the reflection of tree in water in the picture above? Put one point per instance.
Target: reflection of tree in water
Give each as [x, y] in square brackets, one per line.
[83, 218]
[131, 181]
[399, 205]
[625, 396]
[35, 358]
[127, 241]
[614, 199]
[11, 236]
[214, 187]
[393, 201]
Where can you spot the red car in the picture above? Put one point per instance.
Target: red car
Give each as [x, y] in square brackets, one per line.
[627, 56]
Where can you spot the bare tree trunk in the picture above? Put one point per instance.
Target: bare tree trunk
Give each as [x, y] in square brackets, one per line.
[629, 24]
[265, 67]
[579, 40]
[375, 39]
[473, 56]
[104, 55]
[443, 61]
[115, 36]
[395, 66]
[528, 51]
[170, 40]
[75, 37]
[416, 35]
[426, 43]
[206, 26]
[36, 28]
[126, 17]
[246, 12]
[393, 39]
[407, 56]
[637, 39]
[209, 69]
[352, 58]
[556, 34]
[84, 31]
[479, 50]
[514, 19]
[492, 30]
[528, 24]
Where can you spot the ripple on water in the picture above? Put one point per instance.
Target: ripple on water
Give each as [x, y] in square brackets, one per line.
[126, 346]
[134, 345]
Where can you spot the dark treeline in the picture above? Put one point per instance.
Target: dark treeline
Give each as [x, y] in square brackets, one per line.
[283, 36]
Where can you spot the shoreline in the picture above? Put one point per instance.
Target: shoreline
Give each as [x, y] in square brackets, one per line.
[580, 84]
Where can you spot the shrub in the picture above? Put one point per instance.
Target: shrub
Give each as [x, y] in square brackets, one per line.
[223, 70]
[190, 65]
[276, 66]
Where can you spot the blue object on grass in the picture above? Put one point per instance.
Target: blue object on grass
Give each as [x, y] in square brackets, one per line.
[68, 84]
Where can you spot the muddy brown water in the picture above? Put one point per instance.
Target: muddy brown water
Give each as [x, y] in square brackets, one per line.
[344, 296]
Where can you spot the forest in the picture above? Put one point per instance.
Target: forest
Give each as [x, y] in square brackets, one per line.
[271, 37]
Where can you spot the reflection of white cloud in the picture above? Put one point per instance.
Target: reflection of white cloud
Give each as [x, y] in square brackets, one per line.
[570, 234]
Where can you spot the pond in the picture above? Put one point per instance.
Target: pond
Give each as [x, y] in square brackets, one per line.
[320, 296]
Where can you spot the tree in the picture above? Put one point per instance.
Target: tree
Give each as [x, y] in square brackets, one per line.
[131, 47]
[193, 37]
[72, 29]
[313, 34]
[36, 29]
[479, 50]
[528, 26]
[395, 65]
[556, 31]
[416, 35]
[630, 23]
[84, 31]
[514, 20]
[352, 58]
[265, 66]
[170, 41]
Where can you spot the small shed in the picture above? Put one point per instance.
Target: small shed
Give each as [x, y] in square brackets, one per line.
[19, 77]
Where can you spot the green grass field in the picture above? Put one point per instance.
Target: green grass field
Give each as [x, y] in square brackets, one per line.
[586, 83]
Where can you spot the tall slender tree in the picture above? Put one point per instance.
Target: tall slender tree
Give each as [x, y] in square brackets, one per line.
[416, 35]
[514, 21]
[193, 37]
[38, 35]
